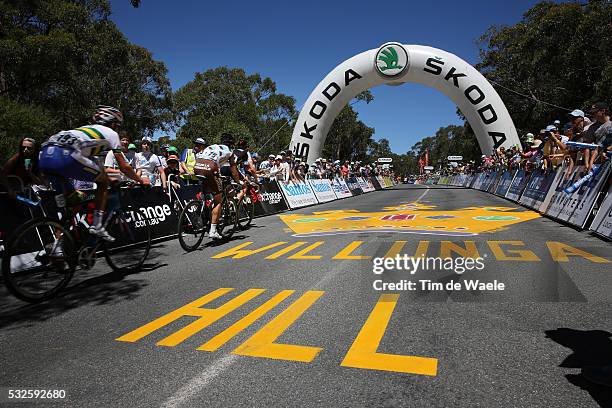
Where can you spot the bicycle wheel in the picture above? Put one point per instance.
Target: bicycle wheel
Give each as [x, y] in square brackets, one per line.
[246, 209]
[39, 260]
[132, 241]
[193, 224]
[228, 221]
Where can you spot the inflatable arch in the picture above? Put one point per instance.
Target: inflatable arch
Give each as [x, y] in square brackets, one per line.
[394, 64]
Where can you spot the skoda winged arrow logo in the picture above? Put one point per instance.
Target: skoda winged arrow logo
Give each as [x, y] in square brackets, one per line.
[391, 59]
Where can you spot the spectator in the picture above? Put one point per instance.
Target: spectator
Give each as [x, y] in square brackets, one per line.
[603, 126]
[344, 170]
[110, 163]
[163, 154]
[24, 163]
[173, 170]
[188, 157]
[279, 170]
[267, 164]
[148, 165]
[533, 156]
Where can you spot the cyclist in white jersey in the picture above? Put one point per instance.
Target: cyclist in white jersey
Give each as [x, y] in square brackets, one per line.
[209, 163]
[73, 154]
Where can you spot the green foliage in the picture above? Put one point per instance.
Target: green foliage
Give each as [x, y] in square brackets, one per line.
[227, 99]
[559, 53]
[61, 58]
[18, 120]
[349, 138]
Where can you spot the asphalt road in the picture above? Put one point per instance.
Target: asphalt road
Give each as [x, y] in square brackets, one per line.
[304, 326]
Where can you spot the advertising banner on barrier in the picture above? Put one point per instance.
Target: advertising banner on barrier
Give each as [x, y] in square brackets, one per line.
[388, 182]
[381, 181]
[505, 180]
[365, 184]
[492, 181]
[602, 224]
[322, 189]
[354, 186]
[340, 188]
[269, 199]
[469, 180]
[517, 186]
[575, 205]
[368, 180]
[539, 188]
[297, 194]
[376, 183]
[479, 181]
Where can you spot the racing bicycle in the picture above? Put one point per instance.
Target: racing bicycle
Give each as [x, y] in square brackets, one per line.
[246, 206]
[41, 256]
[194, 221]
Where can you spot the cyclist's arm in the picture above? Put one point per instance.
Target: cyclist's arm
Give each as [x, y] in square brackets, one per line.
[234, 169]
[126, 168]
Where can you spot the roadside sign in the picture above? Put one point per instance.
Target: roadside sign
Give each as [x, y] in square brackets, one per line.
[455, 158]
[385, 160]
[428, 167]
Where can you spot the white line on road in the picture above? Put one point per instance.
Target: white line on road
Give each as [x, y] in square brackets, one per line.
[422, 195]
[195, 385]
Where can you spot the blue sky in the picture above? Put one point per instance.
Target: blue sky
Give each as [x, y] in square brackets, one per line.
[298, 43]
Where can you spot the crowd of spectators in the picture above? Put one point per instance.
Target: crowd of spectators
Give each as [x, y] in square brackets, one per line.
[285, 167]
[551, 147]
[163, 165]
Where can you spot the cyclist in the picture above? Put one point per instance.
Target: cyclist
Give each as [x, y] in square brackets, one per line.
[72, 154]
[211, 163]
[245, 164]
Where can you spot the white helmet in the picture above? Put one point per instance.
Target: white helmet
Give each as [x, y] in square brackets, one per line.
[106, 115]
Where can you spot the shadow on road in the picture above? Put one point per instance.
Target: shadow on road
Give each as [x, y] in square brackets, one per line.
[86, 288]
[590, 348]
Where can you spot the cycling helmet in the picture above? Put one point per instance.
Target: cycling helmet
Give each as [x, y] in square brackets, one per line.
[242, 143]
[227, 139]
[107, 115]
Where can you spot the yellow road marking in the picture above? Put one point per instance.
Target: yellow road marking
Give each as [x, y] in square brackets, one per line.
[237, 252]
[208, 317]
[302, 253]
[283, 251]
[363, 354]
[346, 253]
[511, 254]
[227, 334]
[448, 247]
[560, 251]
[395, 249]
[421, 249]
[190, 309]
[261, 344]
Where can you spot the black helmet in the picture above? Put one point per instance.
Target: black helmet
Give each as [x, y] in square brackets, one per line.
[227, 139]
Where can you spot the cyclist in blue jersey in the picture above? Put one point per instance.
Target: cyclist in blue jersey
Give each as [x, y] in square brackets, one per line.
[74, 154]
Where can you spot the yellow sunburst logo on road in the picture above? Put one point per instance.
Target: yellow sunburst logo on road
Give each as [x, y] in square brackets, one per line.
[407, 218]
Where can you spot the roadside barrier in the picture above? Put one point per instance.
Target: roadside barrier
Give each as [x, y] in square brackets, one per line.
[163, 210]
[581, 199]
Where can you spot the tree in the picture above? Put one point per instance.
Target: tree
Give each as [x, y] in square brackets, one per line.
[558, 53]
[349, 138]
[227, 99]
[61, 58]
